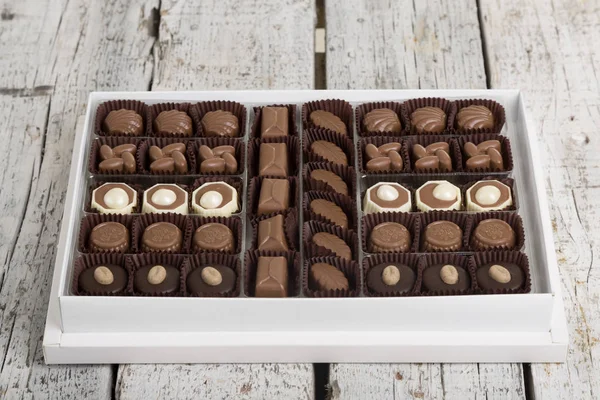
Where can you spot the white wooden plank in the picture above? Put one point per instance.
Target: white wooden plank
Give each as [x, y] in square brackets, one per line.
[215, 381]
[252, 44]
[411, 44]
[230, 44]
[59, 52]
[551, 50]
[403, 45]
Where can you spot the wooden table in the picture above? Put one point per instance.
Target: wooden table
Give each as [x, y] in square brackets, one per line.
[53, 53]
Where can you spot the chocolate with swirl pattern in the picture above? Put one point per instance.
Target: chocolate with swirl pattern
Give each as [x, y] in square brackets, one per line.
[382, 120]
[173, 122]
[474, 117]
[428, 120]
[123, 122]
[220, 123]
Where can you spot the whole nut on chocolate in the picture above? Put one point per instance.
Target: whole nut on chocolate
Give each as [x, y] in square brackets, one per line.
[449, 274]
[500, 275]
[211, 276]
[391, 275]
[102, 280]
[157, 274]
[390, 278]
[103, 275]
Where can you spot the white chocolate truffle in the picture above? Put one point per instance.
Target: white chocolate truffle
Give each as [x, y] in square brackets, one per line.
[114, 198]
[385, 197]
[215, 199]
[165, 198]
[438, 195]
[488, 195]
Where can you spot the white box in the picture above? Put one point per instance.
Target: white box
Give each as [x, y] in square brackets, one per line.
[492, 328]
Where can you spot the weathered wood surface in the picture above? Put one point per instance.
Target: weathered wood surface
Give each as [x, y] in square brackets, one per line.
[253, 44]
[231, 44]
[411, 44]
[551, 50]
[53, 54]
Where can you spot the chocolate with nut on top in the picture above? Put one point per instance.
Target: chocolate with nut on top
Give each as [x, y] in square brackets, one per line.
[103, 279]
[500, 275]
[156, 279]
[443, 277]
[391, 278]
[211, 280]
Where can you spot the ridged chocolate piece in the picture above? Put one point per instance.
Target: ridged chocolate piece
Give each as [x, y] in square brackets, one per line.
[493, 234]
[325, 276]
[475, 117]
[428, 120]
[331, 179]
[333, 243]
[389, 237]
[329, 152]
[109, 236]
[382, 120]
[214, 237]
[442, 236]
[173, 122]
[162, 237]
[123, 122]
[220, 124]
[327, 120]
[329, 210]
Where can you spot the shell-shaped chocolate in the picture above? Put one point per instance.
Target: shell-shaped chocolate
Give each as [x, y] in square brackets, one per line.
[123, 122]
[475, 117]
[382, 120]
[332, 180]
[333, 243]
[327, 277]
[327, 120]
[220, 124]
[173, 122]
[428, 120]
[330, 211]
[329, 151]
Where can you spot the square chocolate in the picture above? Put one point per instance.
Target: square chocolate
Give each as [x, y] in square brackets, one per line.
[271, 277]
[273, 160]
[274, 122]
[271, 235]
[274, 196]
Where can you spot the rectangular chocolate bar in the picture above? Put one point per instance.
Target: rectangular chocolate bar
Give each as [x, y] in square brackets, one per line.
[274, 122]
[273, 160]
[274, 196]
[271, 235]
[271, 277]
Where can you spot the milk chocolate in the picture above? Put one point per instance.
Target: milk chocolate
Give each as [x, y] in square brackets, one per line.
[438, 195]
[220, 123]
[330, 211]
[389, 237]
[333, 243]
[329, 151]
[213, 237]
[123, 123]
[383, 158]
[271, 234]
[198, 285]
[174, 123]
[103, 279]
[218, 160]
[332, 180]
[488, 195]
[169, 159]
[391, 278]
[271, 277]
[387, 196]
[327, 120]
[162, 237]
[500, 275]
[445, 277]
[428, 120]
[493, 234]
[274, 196]
[109, 237]
[326, 277]
[156, 279]
[484, 155]
[474, 117]
[382, 120]
[114, 198]
[165, 198]
[273, 159]
[435, 157]
[442, 236]
[215, 199]
[120, 159]
[274, 122]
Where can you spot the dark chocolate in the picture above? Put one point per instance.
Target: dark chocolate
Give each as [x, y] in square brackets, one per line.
[156, 279]
[391, 278]
[500, 275]
[103, 279]
[444, 277]
[220, 283]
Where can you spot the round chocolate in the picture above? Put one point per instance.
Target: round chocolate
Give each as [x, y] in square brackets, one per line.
[438, 195]
[173, 122]
[329, 151]
[114, 198]
[428, 120]
[197, 286]
[89, 281]
[165, 198]
[332, 180]
[376, 281]
[123, 123]
[214, 237]
[215, 199]
[442, 236]
[109, 237]
[327, 120]
[220, 123]
[387, 196]
[489, 195]
[474, 117]
[491, 277]
[389, 237]
[382, 120]
[493, 234]
[162, 237]
[144, 280]
[440, 277]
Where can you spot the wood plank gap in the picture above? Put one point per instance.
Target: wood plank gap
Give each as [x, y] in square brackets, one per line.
[321, 371]
[528, 382]
[154, 31]
[484, 52]
[321, 57]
